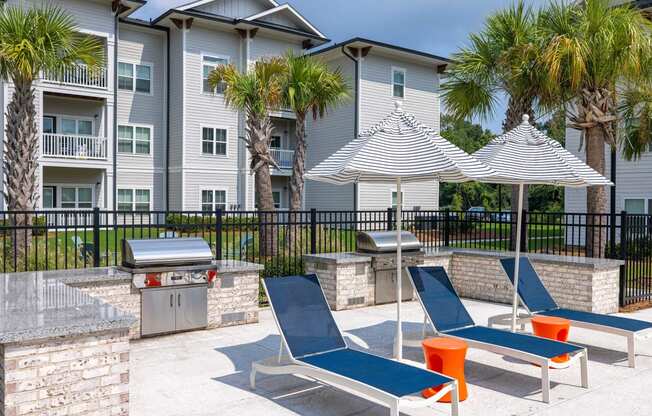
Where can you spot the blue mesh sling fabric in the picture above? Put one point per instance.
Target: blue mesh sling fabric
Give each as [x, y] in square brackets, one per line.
[389, 376]
[303, 314]
[530, 288]
[443, 306]
[527, 343]
[611, 321]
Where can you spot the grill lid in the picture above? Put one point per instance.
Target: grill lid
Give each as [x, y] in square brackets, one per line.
[165, 251]
[385, 242]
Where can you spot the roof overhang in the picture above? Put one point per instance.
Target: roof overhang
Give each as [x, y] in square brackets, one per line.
[198, 3]
[308, 39]
[385, 49]
[286, 8]
[126, 7]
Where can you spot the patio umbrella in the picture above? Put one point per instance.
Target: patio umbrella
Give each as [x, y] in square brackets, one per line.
[526, 156]
[397, 150]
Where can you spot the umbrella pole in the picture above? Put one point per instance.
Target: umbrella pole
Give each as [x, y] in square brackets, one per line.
[517, 261]
[398, 339]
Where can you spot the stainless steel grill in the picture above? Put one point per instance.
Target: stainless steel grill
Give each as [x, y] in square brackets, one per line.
[172, 275]
[381, 246]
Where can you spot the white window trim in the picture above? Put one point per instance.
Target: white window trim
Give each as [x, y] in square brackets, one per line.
[133, 89]
[201, 139]
[201, 72]
[391, 197]
[398, 69]
[133, 148]
[133, 189]
[213, 190]
[60, 186]
[646, 200]
[59, 117]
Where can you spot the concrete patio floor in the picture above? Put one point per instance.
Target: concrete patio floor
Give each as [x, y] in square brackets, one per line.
[205, 373]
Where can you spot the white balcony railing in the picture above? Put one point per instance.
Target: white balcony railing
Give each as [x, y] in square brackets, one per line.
[78, 75]
[283, 157]
[73, 146]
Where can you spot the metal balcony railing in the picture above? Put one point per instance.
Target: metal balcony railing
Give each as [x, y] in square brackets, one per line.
[283, 157]
[79, 75]
[73, 146]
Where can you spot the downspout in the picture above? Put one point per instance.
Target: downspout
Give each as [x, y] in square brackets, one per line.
[167, 120]
[116, 30]
[356, 122]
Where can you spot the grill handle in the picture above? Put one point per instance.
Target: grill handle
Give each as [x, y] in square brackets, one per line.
[179, 299]
[171, 300]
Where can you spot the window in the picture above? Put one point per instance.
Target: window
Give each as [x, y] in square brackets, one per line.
[213, 141]
[276, 142]
[134, 139]
[638, 205]
[134, 77]
[276, 196]
[213, 200]
[394, 202]
[49, 197]
[76, 126]
[76, 197]
[398, 82]
[49, 124]
[133, 199]
[209, 63]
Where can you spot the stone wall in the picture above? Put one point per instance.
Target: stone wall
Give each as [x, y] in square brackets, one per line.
[233, 300]
[80, 375]
[347, 285]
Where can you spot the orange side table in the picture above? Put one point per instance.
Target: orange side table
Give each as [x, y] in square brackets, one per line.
[446, 356]
[553, 328]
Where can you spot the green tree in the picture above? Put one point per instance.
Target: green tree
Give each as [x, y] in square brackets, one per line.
[309, 87]
[256, 92]
[590, 47]
[32, 41]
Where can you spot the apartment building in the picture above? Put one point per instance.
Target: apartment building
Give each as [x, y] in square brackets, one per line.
[148, 132]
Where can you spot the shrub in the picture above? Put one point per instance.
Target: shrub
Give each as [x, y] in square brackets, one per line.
[197, 223]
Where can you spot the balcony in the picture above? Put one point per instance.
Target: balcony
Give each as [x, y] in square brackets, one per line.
[73, 146]
[283, 157]
[78, 75]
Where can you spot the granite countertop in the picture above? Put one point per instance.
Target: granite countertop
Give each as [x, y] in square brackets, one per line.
[234, 266]
[90, 275]
[39, 305]
[337, 258]
[597, 264]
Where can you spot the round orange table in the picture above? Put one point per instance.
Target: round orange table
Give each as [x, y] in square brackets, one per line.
[446, 356]
[553, 328]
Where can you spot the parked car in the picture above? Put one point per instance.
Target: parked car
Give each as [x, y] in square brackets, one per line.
[476, 213]
[501, 216]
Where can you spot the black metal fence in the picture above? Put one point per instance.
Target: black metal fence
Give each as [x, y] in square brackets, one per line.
[57, 239]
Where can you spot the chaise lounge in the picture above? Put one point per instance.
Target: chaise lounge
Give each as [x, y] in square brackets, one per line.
[316, 348]
[449, 318]
[537, 301]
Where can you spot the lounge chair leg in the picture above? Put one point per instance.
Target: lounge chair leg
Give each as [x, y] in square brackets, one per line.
[394, 409]
[545, 382]
[631, 351]
[584, 368]
[252, 377]
[425, 326]
[455, 400]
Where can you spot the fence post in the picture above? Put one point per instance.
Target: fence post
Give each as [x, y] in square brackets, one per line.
[218, 234]
[390, 221]
[96, 237]
[612, 234]
[623, 256]
[447, 228]
[313, 231]
[524, 236]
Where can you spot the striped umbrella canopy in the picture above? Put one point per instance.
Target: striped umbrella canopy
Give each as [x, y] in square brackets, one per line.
[399, 149]
[526, 156]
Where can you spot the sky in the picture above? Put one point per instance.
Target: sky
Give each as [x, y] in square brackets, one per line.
[436, 26]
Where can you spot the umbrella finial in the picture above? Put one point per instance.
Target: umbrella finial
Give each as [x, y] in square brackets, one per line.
[526, 118]
[398, 105]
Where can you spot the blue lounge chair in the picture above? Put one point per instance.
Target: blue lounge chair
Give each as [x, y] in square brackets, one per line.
[316, 348]
[449, 318]
[537, 301]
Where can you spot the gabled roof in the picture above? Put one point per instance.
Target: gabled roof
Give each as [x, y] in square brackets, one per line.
[127, 7]
[386, 48]
[198, 3]
[286, 8]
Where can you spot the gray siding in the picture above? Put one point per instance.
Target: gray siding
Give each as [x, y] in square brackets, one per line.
[324, 138]
[143, 46]
[262, 47]
[175, 190]
[90, 16]
[235, 8]
[176, 118]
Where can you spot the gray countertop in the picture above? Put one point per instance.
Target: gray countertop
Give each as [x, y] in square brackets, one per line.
[337, 258]
[39, 305]
[597, 264]
[235, 266]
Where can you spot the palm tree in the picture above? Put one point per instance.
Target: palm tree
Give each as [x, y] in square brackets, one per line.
[256, 92]
[590, 48]
[32, 41]
[500, 60]
[309, 86]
